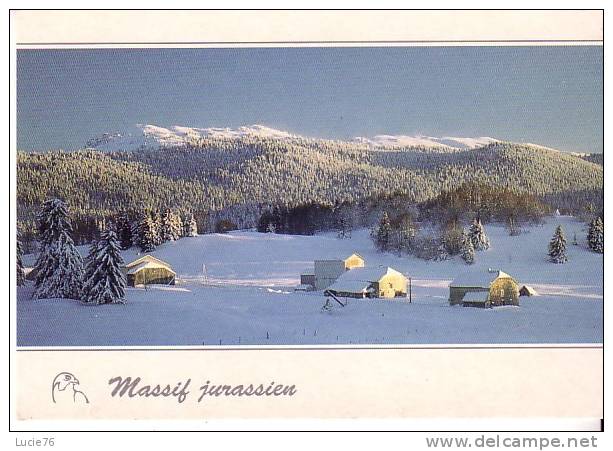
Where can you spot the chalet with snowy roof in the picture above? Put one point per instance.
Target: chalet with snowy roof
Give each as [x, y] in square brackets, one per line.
[484, 289]
[362, 282]
[149, 270]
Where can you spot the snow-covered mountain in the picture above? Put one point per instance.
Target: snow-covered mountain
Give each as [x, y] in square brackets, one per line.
[426, 141]
[154, 136]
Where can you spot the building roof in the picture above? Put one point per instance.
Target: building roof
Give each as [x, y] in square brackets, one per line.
[303, 287]
[358, 280]
[340, 259]
[148, 264]
[349, 286]
[148, 258]
[528, 289]
[475, 296]
[478, 279]
[355, 254]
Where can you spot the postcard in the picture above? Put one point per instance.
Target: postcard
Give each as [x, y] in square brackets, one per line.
[263, 215]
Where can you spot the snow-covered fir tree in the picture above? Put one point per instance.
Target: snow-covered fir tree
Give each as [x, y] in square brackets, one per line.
[190, 226]
[21, 276]
[343, 229]
[403, 233]
[146, 236]
[51, 218]
[383, 233]
[156, 228]
[513, 227]
[59, 267]
[90, 261]
[106, 282]
[345, 223]
[123, 227]
[467, 251]
[171, 226]
[595, 235]
[453, 238]
[65, 280]
[557, 247]
[478, 237]
[441, 253]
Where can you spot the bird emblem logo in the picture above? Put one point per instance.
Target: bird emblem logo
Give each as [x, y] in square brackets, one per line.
[65, 390]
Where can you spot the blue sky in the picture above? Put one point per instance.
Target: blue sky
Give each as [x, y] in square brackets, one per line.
[545, 95]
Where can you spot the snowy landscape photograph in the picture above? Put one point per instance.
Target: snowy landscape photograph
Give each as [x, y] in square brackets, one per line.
[310, 196]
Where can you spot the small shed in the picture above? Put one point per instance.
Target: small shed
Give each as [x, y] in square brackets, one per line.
[149, 270]
[362, 282]
[497, 286]
[307, 279]
[307, 282]
[527, 290]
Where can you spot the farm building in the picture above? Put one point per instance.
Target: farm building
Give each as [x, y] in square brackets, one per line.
[307, 282]
[361, 282]
[527, 290]
[484, 289]
[148, 270]
[307, 279]
[327, 271]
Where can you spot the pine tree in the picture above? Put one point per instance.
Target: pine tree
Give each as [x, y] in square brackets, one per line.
[441, 253]
[468, 250]
[145, 234]
[383, 233]
[478, 237]
[123, 227]
[106, 282]
[190, 226]
[453, 238]
[170, 226]
[595, 235]
[342, 228]
[66, 278]
[91, 261]
[266, 220]
[156, 228]
[59, 267]
[21, 276]
[557, 247]
[513, 227]
[51, 219]
[166, 226]
[176, 225]
[405, 233]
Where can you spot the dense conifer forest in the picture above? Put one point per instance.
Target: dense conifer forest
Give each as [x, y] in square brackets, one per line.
[231, 183]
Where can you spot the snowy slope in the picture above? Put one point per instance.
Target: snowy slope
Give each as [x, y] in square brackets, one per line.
[244, 293]
[154, 136]
[446, 142]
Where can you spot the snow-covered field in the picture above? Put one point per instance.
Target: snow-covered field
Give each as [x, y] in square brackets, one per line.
[247, 297]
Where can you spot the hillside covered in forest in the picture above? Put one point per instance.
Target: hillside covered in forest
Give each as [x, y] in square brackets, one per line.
[236, 178]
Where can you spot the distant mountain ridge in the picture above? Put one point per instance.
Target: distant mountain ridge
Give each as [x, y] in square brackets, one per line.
[236, 173]
[152, 136]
